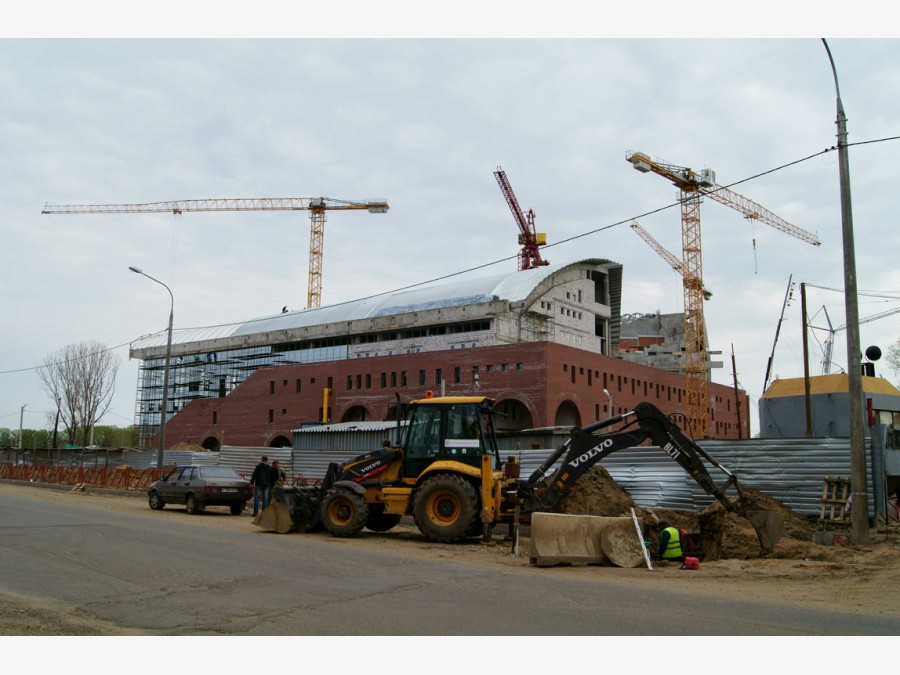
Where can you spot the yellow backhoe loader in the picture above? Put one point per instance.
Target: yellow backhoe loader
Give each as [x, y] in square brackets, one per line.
[446, 472]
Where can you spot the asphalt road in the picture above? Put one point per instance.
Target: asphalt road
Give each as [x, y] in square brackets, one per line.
[158, 577]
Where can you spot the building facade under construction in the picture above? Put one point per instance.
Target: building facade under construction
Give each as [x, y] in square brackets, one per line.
[542, 342]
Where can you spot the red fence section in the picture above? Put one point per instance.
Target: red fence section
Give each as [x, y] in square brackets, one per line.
[118, 478]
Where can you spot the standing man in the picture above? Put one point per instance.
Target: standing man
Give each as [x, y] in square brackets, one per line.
[276, 483]
[260, 481]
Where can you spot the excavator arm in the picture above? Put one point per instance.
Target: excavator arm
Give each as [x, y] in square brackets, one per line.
[585, 447]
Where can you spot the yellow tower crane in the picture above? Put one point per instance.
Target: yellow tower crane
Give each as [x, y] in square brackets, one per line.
[693, 186]
[317, 206]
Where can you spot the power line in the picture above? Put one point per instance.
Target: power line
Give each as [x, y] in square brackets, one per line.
[500, 260]
[80, 358]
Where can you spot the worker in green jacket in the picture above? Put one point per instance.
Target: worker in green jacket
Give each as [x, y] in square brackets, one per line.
[669, 542]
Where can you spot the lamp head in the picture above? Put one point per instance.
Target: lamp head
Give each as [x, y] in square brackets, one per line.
[136, 270]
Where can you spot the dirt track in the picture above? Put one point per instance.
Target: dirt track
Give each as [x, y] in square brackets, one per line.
[857, 579]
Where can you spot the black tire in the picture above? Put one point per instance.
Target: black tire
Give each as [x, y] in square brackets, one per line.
[344, 512]
[445, 507]
[192, 506]
[237, 509]
[379, 521]
[156, 502]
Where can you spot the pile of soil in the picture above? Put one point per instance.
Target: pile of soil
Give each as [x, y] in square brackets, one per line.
[597, 494]
[188, 447]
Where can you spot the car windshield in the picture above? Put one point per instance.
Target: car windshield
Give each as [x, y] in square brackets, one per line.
[218, 472]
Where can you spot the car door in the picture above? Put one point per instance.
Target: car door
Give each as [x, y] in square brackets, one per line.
[166, 487]
[182, 486]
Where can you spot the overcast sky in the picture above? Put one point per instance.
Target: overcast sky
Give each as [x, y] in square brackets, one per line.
[424, 123]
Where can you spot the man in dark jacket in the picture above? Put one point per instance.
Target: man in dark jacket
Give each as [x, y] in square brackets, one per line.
[260, 481]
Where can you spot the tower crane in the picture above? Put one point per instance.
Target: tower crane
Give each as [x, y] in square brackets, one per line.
[693, 186]
[664, 253]
[828, 347]
[317, 206]
[529, 240]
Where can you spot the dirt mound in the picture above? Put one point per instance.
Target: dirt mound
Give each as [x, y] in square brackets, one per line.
[726, 534]
[188, 447]
[597, 494]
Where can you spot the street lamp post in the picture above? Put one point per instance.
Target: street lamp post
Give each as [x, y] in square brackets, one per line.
[609, 396]
[165, 392]
[859, 513]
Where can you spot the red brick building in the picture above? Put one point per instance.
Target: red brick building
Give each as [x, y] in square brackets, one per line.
[536, 384]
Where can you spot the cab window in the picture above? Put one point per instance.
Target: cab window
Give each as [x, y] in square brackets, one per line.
[424, 436]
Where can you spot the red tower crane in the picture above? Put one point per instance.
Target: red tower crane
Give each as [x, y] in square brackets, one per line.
[529, 240]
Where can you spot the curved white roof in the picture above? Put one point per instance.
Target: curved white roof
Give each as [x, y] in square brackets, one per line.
[511, 286]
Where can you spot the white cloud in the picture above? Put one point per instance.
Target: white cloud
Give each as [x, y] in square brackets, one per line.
[423, 124]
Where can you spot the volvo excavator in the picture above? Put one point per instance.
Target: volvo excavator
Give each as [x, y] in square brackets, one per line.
[446, 472]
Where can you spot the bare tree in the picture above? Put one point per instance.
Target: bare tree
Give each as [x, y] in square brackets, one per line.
[893, 357]
[82, 377]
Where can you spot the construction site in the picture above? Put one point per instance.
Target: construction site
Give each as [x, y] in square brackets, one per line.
[539, 348]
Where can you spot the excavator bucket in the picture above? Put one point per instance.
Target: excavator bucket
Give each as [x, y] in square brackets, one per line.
[276, 517]
[769, 525]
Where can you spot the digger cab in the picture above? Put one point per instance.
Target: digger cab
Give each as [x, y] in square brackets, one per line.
[452, 428]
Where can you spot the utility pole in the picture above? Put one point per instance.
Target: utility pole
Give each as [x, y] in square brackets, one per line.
[859, 514]
[737, 395]
[165, 390]
[806, 391]
[21, 418]
[56, 428]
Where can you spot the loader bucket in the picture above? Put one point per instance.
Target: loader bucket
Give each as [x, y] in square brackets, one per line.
[302, 507]
[769, 525]
[275, 517]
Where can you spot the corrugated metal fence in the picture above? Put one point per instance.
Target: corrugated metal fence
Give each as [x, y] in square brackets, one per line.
[791, 471]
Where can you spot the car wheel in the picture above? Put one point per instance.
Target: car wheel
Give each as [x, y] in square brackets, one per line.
[192, 506]
[156, 502]
[237, 509]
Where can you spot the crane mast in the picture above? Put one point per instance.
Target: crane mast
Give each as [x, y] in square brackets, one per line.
[693, 186]
[317, 206]
[529, 240]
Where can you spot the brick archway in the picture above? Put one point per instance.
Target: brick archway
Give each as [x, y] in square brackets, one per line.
[515, 415]
[356, 413]
[567, 415]
[211, 443]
